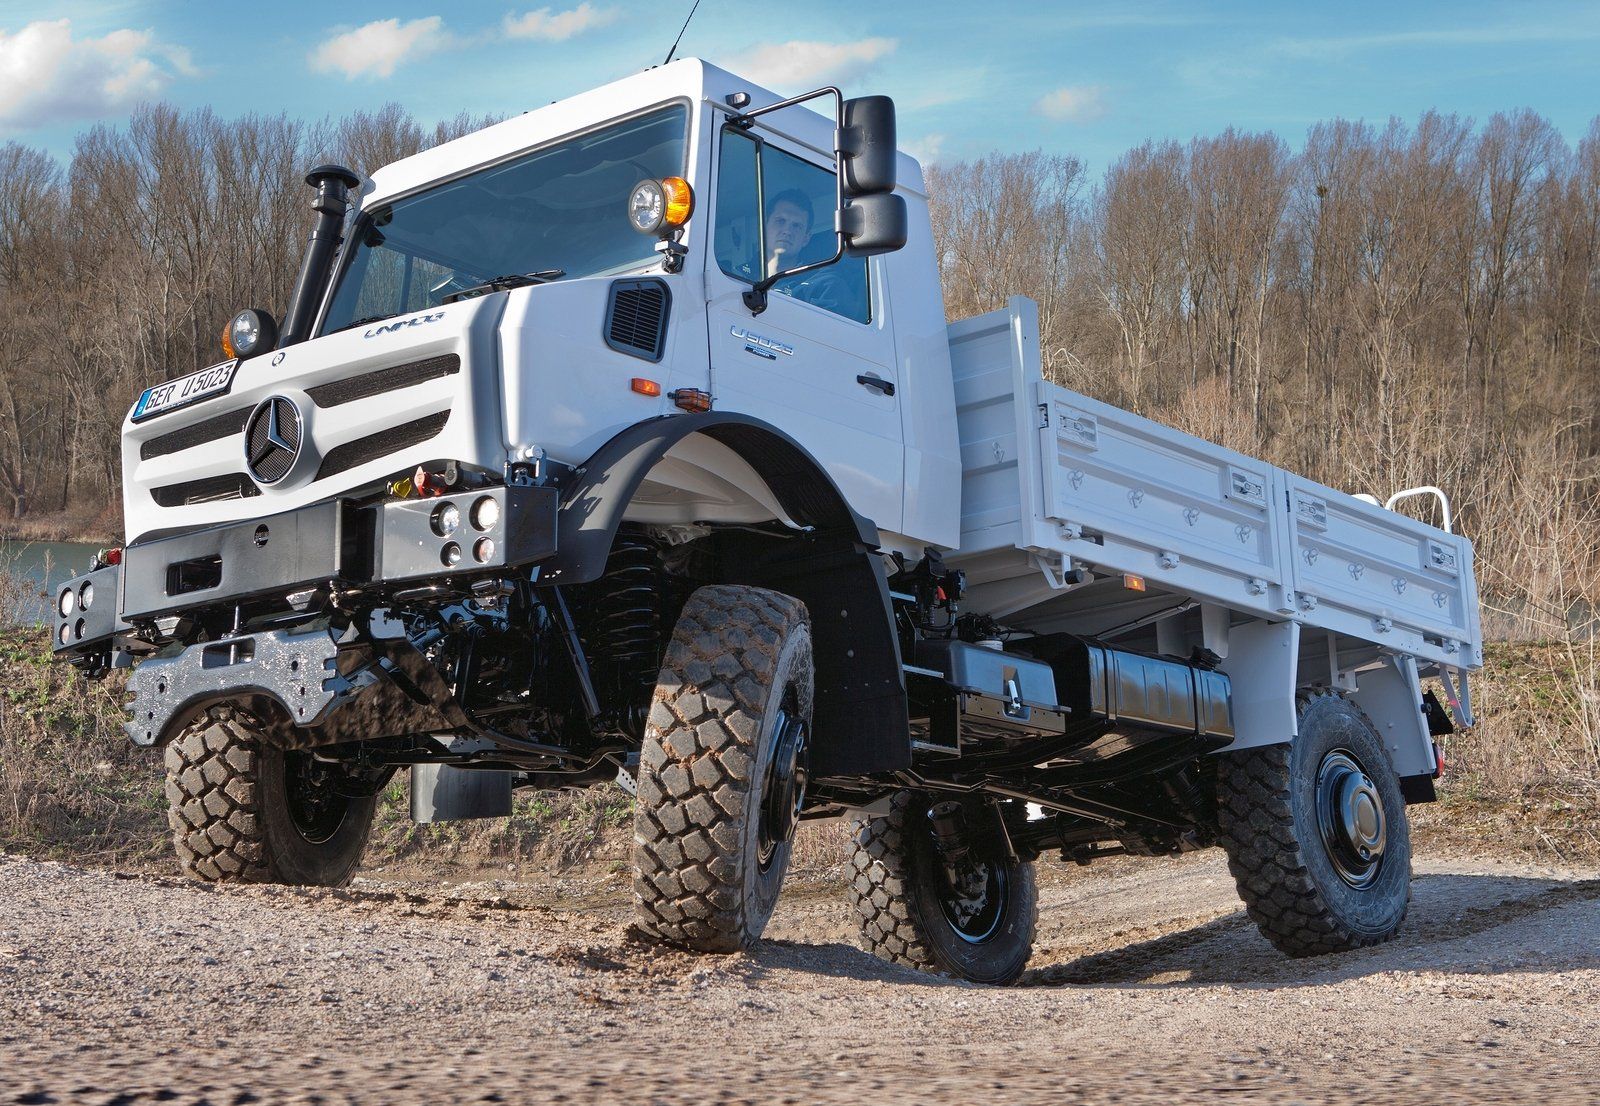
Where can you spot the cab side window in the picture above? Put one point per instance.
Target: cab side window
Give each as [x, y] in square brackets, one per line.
[775, 212]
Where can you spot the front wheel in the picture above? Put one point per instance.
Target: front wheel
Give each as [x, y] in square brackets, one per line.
[1316, 832]
[245, 811]
[722, 769]
[934, 888]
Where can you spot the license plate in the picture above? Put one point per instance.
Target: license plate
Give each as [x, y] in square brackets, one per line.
[204, 384]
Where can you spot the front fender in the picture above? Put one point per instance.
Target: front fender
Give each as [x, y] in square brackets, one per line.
[860, 719]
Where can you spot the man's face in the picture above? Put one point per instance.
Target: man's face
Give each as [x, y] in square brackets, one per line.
[788, 228]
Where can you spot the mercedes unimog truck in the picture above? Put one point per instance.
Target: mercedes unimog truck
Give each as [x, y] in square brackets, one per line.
[627, 440]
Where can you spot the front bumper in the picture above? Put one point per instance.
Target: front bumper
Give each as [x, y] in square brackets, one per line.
[306, 688]
[383, 547]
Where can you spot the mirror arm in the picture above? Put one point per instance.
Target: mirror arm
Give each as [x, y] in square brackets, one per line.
[755, 297]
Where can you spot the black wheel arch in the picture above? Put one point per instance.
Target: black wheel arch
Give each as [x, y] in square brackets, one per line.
[860, 721]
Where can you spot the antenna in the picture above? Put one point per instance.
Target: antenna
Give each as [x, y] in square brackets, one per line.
[685, 27]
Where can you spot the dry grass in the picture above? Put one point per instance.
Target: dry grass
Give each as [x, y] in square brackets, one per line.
[1524, 781]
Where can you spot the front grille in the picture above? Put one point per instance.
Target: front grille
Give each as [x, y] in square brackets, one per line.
[187, 437]
[373, 446]
[383, 380]
[636, 318]
[232, 486]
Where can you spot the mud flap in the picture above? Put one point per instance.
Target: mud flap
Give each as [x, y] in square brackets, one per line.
[440, 793]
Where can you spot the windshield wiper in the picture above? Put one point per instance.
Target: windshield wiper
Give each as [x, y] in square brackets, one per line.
[352, 324]
[502, 283]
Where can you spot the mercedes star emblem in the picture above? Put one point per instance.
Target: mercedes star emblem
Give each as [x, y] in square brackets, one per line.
[272, 439]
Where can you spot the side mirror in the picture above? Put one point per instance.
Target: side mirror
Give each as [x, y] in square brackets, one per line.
[873, 224]
[866, 144]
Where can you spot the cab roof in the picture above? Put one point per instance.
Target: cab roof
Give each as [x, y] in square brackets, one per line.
[686, 79]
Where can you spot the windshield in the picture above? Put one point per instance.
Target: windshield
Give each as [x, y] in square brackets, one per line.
[562, 208]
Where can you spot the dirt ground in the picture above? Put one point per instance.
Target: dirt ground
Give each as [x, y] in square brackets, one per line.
[1148, 984]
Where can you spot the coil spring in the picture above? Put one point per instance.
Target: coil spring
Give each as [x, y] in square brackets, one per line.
[625, 620]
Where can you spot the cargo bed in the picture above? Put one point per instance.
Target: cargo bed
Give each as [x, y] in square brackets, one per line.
[1069, 506]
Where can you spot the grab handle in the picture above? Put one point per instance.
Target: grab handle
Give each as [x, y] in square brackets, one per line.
[1426, 489]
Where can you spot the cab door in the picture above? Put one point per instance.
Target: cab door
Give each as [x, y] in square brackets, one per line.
[819, 362]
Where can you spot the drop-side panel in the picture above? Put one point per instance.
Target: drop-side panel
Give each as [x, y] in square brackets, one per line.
[1130, 495]
[1375, 574]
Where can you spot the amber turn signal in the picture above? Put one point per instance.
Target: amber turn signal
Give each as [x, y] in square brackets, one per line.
[1132, 582]
[646, 387]
[680, 200]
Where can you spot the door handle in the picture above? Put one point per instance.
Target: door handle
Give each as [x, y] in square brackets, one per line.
[876, 383]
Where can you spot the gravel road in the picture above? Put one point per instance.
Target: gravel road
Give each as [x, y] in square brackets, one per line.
[1149, 985]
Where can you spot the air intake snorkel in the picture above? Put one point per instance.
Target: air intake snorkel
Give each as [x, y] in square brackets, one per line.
[333, 184]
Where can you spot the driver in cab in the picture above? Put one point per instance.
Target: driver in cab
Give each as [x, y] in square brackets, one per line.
[788, 229]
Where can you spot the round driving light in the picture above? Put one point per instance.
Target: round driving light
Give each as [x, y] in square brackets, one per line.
[248, 333]
[86, 596]
[647, 206]
[485, 513]
[66, 633]
[450, 555]
[484, 550]
[67, 603]
[446, 519]
[78, 627]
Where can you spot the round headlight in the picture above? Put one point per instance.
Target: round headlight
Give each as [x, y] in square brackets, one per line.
[67, 603]
[484, 550]
[248, 333]
[86, 595]
[485, 513]
[446, 519]
[450, 555]
[647, 206]
[66, 633]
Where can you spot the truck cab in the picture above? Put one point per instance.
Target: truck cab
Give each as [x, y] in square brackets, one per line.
[849, 358]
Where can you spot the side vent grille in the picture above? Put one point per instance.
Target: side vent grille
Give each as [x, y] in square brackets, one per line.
[376, 383]
[636, 318]
[373, 446]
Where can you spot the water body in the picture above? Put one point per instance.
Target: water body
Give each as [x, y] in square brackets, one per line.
[29, 568]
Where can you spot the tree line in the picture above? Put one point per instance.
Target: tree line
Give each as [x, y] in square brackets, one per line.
[1383, 306]
[1387, 306]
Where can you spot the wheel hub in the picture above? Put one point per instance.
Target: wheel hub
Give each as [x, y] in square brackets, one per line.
[316, 805]
[1351, 819]
[785, 790]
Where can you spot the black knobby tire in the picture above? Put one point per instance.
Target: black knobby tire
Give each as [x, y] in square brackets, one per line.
[896, 890]
[241, 811]
[710, 844]
[1307, 888]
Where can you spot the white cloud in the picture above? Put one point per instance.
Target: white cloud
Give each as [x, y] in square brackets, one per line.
[788, 65]
[925, 149]
[1075, 103]
[48, 76]
[376, 49]
[558, 26]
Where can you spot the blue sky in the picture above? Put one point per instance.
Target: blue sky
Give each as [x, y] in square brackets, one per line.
[969, 77]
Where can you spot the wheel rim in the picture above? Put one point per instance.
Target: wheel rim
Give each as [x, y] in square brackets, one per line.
[784, 791]
[976, 910]
[1350, 818]
[310, 787]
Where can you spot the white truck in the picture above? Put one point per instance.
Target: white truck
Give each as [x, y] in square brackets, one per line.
[626, 440]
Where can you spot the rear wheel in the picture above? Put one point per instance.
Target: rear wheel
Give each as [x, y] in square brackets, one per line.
[942, 896]
[722, 770]
[1316, 832]
[243, 810]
